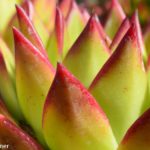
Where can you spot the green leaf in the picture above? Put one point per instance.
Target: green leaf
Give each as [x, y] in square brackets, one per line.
[8, 58]
[28, 30]
[114, 19]
[138, 135]
[147, 101]
[135, 20]
[7, 10]
[31, 16]
[75, 22]
[36, 20]
[125, 25]
[72, 120]
[58, 43]
[34, 75]
[121, 84]
[48, 6]
[7, 81]
[88, 53]
[146, 36]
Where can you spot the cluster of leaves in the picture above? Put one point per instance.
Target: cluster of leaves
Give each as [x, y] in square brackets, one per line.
[94, 98]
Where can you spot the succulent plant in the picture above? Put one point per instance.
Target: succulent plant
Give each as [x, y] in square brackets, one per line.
[72, 81]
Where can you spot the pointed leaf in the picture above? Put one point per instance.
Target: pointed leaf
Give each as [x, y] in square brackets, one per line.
[120, 85]
[137, 137]
[88, 53]
[84, 12]
[65, 6]
[120, 34]
[28, 30]
[58, 43]
[8, 35]
[7, 90]
[7, 9]
[75, 22]
[14, 138]
[8, 58]
[103, 34]
[34, 75]
[115, 18]
[135, 20]
[70, 109]
[48, 6]
[36, 20]
[28, 7]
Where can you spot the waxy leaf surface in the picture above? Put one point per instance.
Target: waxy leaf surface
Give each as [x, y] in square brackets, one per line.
[7, 81]
[28, 30]
[34, 75]
[15, 138]
[75, 22]
[114, 19]
[72, 119]
[120, 34]
[58, 43]
[7, 10]
[120, 85]
[88, 53]
[138, 135]
[135, 20]
[48, 16]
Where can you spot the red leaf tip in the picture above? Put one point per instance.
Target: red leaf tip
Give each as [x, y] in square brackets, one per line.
[16, 34]
[64, 79]
[20, 11]
[92, 23]
[135, 21]
[59, 21]
[130, 36]
[20, 39]
[27, 7]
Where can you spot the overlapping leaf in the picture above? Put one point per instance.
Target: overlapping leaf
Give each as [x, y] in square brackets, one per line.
[88, 53]
[72, 113]
[34, 75]
[120, 85]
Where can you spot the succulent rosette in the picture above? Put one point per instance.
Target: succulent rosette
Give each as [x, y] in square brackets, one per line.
[71, 81]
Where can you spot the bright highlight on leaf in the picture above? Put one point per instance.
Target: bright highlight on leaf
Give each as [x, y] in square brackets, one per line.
[115, 17]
